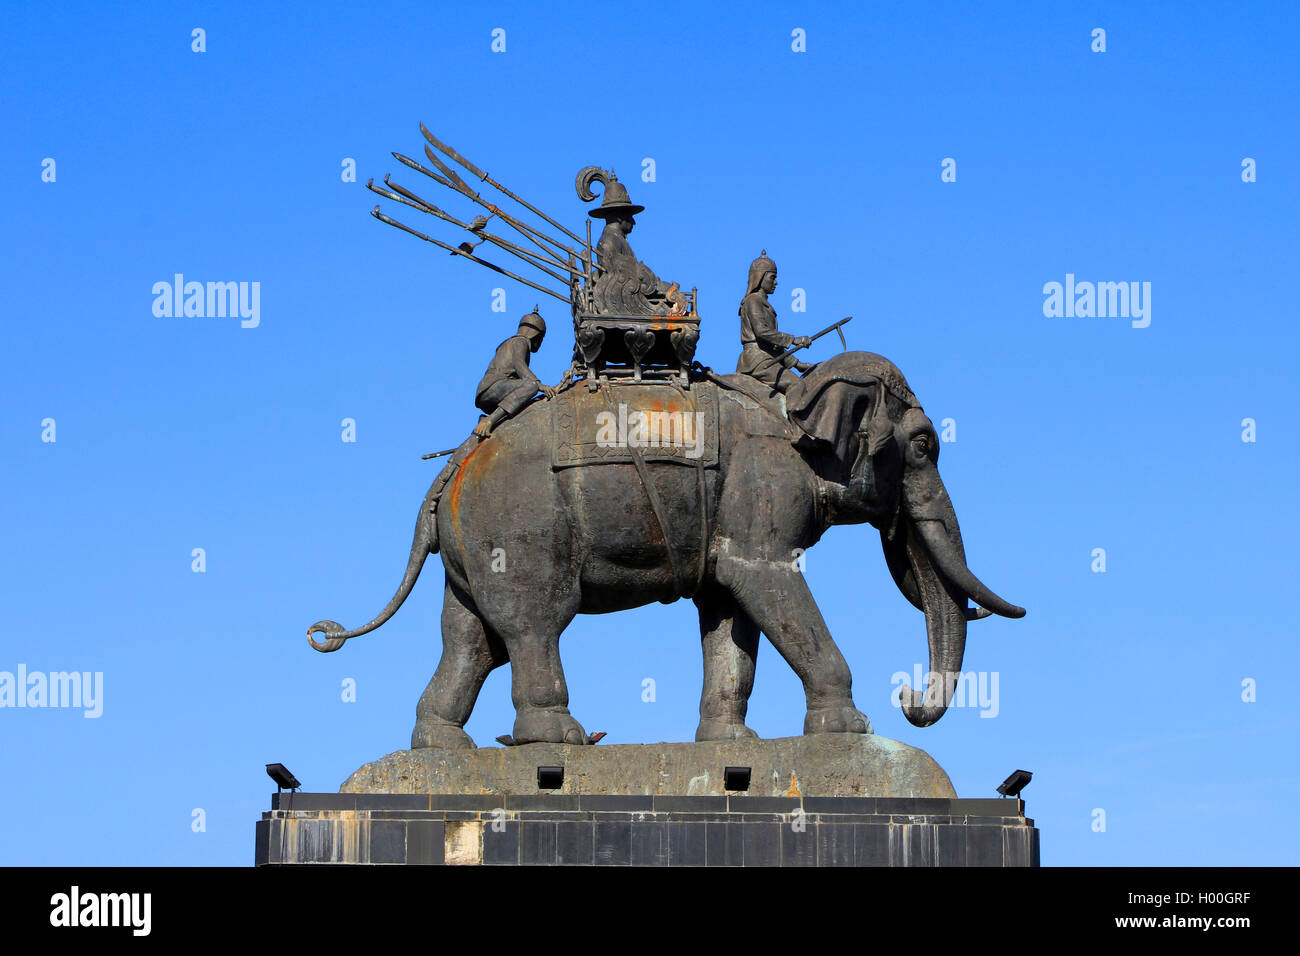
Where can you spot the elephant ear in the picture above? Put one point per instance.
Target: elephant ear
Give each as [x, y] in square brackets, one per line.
[838, 397]
[832, 414]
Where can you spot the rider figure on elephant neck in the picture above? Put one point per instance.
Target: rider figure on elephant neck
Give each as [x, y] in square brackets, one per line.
[762, 343]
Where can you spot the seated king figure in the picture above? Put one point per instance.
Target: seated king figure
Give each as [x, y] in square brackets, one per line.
[627, 285]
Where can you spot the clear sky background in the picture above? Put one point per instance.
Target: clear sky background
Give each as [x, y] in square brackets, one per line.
[1122, 691]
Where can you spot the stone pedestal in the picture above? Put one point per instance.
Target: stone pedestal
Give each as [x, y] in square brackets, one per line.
[545, 829]
[821, 765]
[822, 800]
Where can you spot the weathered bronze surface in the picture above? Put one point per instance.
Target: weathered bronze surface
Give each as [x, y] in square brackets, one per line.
[660, 480]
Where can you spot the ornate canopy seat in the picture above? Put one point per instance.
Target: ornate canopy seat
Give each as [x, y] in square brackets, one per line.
[639, 346]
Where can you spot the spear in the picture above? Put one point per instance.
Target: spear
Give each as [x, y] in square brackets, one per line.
[811, 339]
[463, 188]
[461, 252]
[521, 227]
[492, 182]
[475, 228]
[370, 184]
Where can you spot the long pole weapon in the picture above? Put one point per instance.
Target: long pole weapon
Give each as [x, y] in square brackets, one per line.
[521, 227]
[476, 229]
[468, 255]
[554, 252]
[484, 177]
[462, 187]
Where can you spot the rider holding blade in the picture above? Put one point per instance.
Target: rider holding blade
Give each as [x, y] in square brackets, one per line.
[761, 341]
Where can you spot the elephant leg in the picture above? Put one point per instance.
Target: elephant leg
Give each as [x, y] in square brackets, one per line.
[530, 629]
[778, 600]
[469, 653]
[730, 643]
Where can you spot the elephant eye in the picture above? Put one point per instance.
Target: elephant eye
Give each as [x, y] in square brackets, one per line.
[922, 444]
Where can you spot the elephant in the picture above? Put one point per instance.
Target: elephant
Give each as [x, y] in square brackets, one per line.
[848, 444]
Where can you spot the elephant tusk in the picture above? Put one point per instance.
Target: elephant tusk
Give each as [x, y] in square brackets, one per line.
[948, 563]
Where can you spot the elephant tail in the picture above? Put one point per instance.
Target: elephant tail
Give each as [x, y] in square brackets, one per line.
[424, 544]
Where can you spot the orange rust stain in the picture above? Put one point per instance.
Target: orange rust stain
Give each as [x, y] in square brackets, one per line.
[794, 787]
[656, 405]
[453, 495]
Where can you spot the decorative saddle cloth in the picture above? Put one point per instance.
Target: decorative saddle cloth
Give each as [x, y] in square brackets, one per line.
[661, 421]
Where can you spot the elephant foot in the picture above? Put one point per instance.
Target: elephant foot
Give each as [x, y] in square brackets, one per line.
[837, 720]
[534, 725]
[436, 733]
[723, 728]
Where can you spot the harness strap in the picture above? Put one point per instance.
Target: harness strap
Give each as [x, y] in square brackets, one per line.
[704, 499]
[656, 506]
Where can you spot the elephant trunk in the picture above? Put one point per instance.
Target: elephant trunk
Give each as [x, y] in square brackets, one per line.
[425, 543]
[941, 583]
[945, 631]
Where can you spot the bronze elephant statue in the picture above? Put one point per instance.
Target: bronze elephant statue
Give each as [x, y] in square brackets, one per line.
[848, 444]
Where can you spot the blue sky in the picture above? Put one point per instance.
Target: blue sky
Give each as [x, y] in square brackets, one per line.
[1121, 691]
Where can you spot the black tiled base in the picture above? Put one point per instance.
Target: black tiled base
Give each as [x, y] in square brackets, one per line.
[325, 829]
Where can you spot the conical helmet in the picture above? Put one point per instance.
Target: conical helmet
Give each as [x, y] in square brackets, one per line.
[533, 320]
[757, 269]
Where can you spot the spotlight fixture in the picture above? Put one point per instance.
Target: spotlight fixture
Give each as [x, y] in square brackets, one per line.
[736, 778]
[1012, 786]
[282, 777]
[550, 778]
